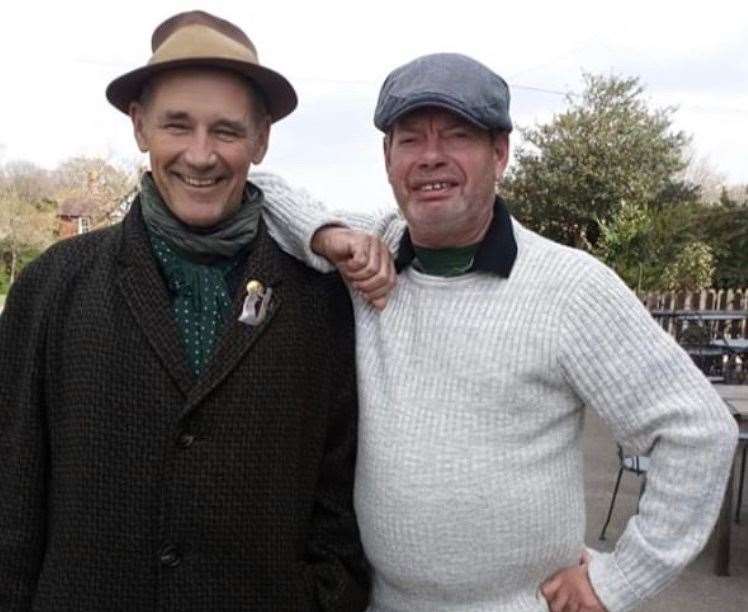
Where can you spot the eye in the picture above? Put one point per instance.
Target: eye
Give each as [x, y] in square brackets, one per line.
[176, 128]
[225, 134]
[406, 140]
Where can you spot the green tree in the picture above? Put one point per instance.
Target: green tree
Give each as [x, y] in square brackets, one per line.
[724, 226]
[606, 150]
[692, 269]
[27, 218]
[625, 244]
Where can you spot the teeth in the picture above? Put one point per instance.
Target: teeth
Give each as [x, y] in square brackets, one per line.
[196, 182]
[434, 186]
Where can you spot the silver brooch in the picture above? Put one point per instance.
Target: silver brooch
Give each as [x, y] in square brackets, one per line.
[256, 303]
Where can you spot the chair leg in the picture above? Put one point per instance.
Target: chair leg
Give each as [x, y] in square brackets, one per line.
[642, 488]
[612, 503]
[740, 485]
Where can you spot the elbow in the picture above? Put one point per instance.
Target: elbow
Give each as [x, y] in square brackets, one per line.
[722, 439]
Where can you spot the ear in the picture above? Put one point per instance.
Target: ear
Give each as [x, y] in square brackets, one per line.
[262, 141]
[137, 115]
[501, 151]
[386, 151]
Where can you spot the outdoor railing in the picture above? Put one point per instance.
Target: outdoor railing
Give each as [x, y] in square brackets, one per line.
[716, 301]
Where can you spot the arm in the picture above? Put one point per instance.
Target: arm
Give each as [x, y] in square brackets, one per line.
[570, 589]
[337, 565]
[22, 442]
[624, 366]
[305, 229]
[362, 259]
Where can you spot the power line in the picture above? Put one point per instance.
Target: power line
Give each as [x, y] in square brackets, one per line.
[555, 92]
[543, 90]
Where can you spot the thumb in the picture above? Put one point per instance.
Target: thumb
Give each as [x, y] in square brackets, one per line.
[357, 255]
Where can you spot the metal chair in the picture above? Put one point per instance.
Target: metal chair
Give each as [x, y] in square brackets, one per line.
[743, 441]
[696, 340]
[713, 353]
[636, 464]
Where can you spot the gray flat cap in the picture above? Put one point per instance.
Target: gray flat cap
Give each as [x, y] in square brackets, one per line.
[447, 80]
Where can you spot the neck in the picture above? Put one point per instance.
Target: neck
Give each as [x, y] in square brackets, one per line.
[444, 238]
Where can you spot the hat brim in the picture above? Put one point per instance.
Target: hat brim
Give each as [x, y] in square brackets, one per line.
[280, 97]
[431, 102]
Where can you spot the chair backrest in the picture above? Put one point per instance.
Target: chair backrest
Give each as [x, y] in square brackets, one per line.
[696, 340]
[637, 464]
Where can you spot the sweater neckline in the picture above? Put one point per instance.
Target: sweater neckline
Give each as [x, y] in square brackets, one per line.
[422, 278]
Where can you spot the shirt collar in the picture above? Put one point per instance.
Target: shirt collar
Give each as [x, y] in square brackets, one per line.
[495, 255]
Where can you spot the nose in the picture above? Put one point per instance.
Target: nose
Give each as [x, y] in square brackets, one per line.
[432, 154]
[200, 153]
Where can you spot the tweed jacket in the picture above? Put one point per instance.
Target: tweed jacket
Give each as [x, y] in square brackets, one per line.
[126, 484]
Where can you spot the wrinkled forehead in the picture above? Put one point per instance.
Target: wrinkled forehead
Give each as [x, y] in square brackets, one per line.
[224, 89]
[198, 78]
[432, 116]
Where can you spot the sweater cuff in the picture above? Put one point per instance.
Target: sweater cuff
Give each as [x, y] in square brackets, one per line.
[610, 584]
[318, 262]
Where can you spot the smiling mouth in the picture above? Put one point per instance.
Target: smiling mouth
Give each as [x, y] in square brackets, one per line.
[194, 181]
[435, 187]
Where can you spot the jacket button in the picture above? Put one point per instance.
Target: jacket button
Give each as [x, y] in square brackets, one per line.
[169, 556]
[185, 440]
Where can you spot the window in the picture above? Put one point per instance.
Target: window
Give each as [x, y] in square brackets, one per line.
[84, 225]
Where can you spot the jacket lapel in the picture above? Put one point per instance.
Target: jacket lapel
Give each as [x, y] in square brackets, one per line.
[237, 337]
[147, 297]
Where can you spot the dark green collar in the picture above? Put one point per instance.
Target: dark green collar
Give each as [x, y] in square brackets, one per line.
[445, 262]
[496, 253]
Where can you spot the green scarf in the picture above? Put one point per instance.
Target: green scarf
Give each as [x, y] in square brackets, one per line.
[197, 264]
[223, 240]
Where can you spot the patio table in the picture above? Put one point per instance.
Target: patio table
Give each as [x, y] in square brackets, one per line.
[736, 397]
[733, 345]
[701, 315]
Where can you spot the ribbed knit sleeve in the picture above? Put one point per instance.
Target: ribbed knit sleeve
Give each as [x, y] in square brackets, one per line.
[625, 367]
[293, 216]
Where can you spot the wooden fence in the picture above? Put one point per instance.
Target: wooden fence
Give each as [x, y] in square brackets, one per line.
[705, 300]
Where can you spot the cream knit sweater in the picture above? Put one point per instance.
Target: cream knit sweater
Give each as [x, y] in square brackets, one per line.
[473, 390]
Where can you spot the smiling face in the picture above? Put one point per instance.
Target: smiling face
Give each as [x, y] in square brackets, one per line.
[202, 129]
[443, 171]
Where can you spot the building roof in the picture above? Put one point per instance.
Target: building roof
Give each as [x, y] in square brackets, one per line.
[76, 207]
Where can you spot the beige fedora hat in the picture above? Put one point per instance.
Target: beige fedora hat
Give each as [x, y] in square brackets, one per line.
[196, 38]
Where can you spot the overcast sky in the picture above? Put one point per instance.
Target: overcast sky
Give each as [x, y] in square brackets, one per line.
[58, 57]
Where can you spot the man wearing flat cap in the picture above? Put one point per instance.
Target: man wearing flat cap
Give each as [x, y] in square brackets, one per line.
[475, 377]
[177, 396]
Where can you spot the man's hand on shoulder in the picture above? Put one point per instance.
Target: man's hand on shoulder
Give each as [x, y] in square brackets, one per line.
[570, 590]
[362, 259]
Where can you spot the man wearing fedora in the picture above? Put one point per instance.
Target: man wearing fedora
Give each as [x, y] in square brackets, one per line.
[475, 377]
[177, 396]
